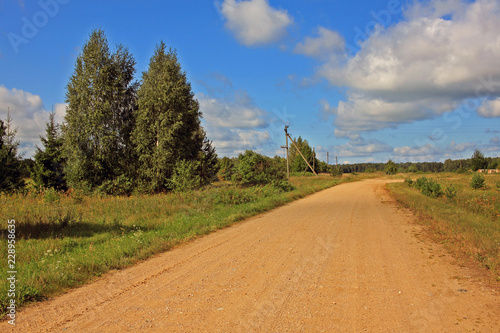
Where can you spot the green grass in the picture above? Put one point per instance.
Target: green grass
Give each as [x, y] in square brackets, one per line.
[63, 241]
[467, 222]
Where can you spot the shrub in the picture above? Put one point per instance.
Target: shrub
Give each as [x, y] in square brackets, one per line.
[282, 185]
[51, 195]
[336, 172]
[409, 181]
[121, 185]
[498, 186]
[226, 168]
[432, 189]
[429, 187]
[478, 181]
[421, 182]
[450, 192]
[256, 169]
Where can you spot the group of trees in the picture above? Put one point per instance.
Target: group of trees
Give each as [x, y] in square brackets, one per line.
[119, 134]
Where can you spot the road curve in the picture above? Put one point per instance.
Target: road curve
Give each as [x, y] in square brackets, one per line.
[342, 260]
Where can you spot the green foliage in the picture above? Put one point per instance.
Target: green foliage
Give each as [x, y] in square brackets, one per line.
[121, 185]
[99, 117]
[256, 169]
[421, 182]
[409, 181]
[336, 171]
[48, 170]
[10, 163]
[450, 192]
[412, 168]
[51, 195]
[429, 187]
[187, 176]
[297, 163]
[478, 181]
[208, 162]
[391, 168]
[226, 168]
[167, 126]
[478, 161]
[497, 186]
[282, 185]
[432, 189]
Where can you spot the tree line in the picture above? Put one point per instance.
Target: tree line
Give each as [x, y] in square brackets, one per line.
[475, 162]
[118, 134]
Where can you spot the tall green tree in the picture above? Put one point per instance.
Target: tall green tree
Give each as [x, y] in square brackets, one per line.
[100, 114]
[168, 126]
[48, 171]
[297, 163]
[478, 161]
[391, 168]
[10, 162]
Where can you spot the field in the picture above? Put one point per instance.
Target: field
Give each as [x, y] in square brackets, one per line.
[467, 223]
[63, 241]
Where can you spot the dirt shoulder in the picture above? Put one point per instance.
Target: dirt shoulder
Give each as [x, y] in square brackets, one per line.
[342, 260]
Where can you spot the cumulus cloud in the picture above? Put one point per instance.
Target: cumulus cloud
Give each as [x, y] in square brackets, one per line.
[255, 22]
[237, 113]
[360, 147]
[431, 152]
[327, 44]
[442, 53]
[234, 123]
[28, 116]
[490, 108]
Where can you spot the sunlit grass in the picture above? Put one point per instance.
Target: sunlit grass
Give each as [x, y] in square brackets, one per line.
[468, 223]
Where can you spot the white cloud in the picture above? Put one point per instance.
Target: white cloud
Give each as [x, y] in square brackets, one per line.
[28, 116]
[421, 67]
[427, 56]
[238, 113]
[431, 152]
[361, 148]
[325, 45]
[255, 22]
[362, 113]
[490, 108]
[234, 123]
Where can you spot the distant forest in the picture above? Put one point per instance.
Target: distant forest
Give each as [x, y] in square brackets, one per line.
[474, 163]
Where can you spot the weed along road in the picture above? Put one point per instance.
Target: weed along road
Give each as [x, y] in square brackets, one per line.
[342, 260]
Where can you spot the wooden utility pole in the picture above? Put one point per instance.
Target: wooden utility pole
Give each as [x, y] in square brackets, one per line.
[295, 145]
[287, 161]
[327, 158]
[314, 158]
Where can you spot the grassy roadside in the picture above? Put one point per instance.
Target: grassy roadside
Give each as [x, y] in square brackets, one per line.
[468, 223]
[63, 241]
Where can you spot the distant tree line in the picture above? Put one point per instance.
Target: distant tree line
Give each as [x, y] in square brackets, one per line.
[118, 135]
[476, 162]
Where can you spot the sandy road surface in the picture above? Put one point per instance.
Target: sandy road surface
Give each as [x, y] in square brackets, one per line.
[342, 260]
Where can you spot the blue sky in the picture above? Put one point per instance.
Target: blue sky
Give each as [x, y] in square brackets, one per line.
[366, 81]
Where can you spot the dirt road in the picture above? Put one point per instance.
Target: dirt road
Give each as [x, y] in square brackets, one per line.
[342, 260]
